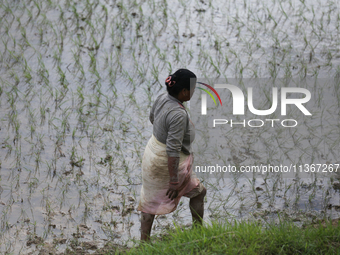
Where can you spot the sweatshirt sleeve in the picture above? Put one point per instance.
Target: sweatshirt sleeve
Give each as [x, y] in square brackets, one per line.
[177, 124]
[152, 116]
[152, 112]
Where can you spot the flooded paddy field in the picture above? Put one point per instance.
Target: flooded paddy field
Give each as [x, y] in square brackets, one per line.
[78, 78]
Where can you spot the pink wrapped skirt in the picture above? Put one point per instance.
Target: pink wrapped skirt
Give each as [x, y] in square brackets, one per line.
[155, 179]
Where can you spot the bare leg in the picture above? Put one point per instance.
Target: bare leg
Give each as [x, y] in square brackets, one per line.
[197, 207]
[146, 224]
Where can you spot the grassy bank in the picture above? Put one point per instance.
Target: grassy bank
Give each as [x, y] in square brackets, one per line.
[247, 238]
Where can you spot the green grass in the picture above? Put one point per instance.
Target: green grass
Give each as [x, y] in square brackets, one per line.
[246, 238]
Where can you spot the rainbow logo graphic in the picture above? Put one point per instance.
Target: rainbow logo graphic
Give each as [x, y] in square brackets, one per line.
[208, 92]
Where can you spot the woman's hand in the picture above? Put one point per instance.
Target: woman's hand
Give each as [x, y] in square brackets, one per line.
[173, 163]
[172, 192]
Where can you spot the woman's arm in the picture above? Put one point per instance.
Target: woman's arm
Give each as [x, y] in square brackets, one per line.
[177, 123]
[173, 163]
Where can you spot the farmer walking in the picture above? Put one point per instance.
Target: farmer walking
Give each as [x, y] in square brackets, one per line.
[167, 161]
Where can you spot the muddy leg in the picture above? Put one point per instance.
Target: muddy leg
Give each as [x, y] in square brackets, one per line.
[146, 224]
[197, 207]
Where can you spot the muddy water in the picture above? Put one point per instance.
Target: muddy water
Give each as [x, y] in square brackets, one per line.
[77, 81]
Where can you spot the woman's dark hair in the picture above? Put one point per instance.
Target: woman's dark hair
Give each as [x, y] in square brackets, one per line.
[179, 80]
